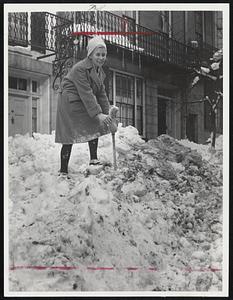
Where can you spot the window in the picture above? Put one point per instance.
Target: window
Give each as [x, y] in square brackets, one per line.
[12, 82]
[22, 84]
[164, 21]
[139, 97]
[17, 83]
[129, 95]
[34, 114]
[34, 86]
[125, 98]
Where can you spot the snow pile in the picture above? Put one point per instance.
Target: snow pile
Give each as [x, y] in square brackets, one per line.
[160, 212]
[212, 155]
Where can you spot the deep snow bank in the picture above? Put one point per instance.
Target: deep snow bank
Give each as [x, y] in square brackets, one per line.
[160, 212]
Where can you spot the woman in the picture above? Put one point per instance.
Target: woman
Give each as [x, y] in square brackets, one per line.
[83, 106]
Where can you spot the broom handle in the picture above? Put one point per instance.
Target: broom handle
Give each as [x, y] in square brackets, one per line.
[114, 151]
[112, 113]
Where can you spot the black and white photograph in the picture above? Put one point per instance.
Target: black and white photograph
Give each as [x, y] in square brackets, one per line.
[116, 149]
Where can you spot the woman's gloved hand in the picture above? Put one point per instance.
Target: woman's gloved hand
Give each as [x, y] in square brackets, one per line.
[113, 126]
[104, 119]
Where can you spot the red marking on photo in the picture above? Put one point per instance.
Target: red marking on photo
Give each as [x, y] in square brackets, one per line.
[68, 268]
[99, 268]
[76, 33]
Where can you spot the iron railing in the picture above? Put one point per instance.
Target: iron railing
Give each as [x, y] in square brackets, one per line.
[42, 31]
[53, 34]
[45, 31]
[147, 42]
[143, 40]
[18, 29]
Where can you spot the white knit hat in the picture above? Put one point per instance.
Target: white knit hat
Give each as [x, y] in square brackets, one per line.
[95, 42]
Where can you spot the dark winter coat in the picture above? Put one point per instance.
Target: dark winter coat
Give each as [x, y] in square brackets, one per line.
[81, 98]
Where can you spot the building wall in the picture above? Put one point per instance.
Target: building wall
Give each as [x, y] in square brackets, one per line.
[209, 28]
[149, 19]
[190, 26]
[218, 21]
[22, 64]
[156, 77]
[178, 26]
[197, 109]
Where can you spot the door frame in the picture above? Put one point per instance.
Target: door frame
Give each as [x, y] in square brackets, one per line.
[165, 103]
[42, 80]
[170, 114]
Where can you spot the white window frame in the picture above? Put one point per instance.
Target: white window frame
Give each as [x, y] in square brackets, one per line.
[135, 76]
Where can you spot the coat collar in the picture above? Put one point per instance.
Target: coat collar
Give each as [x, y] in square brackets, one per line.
[87, 63]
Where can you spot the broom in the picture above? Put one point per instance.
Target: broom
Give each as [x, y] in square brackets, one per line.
[113, 113]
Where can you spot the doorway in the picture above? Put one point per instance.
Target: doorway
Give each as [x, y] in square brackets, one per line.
[162, 116]
[18, 112]
[191, 128]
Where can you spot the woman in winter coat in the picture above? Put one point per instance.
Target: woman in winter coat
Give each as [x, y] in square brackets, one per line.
[83, 106]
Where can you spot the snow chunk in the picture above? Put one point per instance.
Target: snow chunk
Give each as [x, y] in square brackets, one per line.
[134, 188]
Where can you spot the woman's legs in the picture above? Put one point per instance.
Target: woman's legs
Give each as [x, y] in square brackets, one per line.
[93, 145]
[66, 151]
[65, 156]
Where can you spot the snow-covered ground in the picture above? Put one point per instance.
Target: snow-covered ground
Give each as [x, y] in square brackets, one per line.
[160, 212]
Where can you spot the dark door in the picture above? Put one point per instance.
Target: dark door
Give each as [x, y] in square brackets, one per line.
[191, 128]
[162, 109]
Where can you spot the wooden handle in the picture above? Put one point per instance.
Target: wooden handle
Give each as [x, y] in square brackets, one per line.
[113, 113]
[114, 151]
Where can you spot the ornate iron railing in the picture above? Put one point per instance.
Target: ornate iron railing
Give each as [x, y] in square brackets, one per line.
[43, 31]
[46, 33]
[18, 29]
[147, 42]
[53, 34]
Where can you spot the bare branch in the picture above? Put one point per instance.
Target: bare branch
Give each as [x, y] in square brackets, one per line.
[197, 101]
[205, 74]
[208, 99]
[218, 98]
